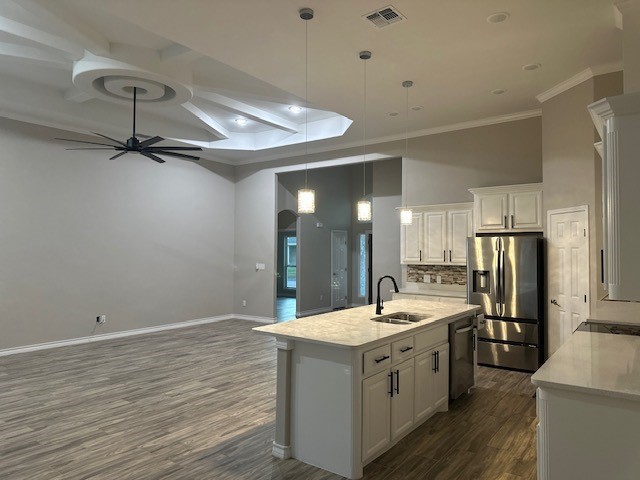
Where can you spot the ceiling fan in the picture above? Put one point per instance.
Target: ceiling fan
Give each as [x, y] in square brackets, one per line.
[134, 145]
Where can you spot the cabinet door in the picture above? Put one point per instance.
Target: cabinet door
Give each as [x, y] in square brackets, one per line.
[435, 238]
[376, 419]
[403, 397]
[411, 241]
[526, 210]
[424, 394]
[491, 212]
[441, 376]
[459, 226]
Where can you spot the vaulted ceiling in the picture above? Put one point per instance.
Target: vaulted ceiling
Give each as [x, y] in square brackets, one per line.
[205, 64]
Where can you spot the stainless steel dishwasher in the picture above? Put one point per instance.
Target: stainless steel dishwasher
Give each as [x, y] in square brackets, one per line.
[461, 368]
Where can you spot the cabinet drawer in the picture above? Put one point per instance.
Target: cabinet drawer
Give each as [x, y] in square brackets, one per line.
[431, 338]
[402, 349]
[376, 359]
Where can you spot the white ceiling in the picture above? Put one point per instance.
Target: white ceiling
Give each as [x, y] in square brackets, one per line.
[253, 52]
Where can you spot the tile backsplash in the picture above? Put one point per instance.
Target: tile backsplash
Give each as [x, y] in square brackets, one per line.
[451, 275]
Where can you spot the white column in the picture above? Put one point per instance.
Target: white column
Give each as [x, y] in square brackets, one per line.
[282, 441]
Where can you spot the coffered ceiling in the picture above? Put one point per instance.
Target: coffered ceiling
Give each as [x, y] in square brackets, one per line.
[205, 64]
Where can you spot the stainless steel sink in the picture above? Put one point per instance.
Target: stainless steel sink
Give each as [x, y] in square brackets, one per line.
[401, 318]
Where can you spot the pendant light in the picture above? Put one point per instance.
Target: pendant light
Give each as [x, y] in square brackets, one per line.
[306, 196]
[406, 214]
[364, 205]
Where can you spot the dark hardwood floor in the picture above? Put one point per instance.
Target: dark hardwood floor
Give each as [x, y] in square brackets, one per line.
[199, 402]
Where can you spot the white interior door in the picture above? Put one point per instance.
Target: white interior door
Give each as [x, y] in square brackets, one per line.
[568, 261]
[339, 269]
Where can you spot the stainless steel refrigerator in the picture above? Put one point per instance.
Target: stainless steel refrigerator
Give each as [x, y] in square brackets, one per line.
[505, 276]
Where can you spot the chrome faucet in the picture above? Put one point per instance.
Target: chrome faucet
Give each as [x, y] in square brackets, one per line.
[379, 301]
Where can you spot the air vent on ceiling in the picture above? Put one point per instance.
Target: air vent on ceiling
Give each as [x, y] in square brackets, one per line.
[384, 16]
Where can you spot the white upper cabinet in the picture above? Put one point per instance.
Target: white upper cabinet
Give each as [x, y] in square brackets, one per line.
[511, 208]
[438, 235]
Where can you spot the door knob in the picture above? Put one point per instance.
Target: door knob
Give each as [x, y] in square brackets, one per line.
[554, 302]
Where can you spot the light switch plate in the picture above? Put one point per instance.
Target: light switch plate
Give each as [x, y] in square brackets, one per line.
[426, 278]
[438, 279]
[260, 266]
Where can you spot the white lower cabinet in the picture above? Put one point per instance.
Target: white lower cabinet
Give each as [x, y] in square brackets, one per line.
[387, 407]
[376, 414]
[405, 392]
[402, 377]
[431, 381]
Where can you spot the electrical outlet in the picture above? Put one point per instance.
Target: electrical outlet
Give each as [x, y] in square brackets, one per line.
[427, 278]
[244, 303]
[101, 319]
[438, 279]
[321, 297]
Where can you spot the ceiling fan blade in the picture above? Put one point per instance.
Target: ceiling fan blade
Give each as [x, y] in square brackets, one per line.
[90, 148]
[193, 149]
[118, 155]
[179, 155]
[109, 138]
[88, 143]
[152, 156]
[150, 141]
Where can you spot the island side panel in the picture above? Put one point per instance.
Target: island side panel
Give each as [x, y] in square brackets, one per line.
[587, 436]
[323, 398]
[282, 440]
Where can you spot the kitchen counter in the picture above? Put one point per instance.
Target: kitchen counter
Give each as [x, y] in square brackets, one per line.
[353, 328]
[588, 406]
[339, 404]
[595, 363]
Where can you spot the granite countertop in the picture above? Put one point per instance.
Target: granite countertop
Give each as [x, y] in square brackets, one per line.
[353, 328]
[598, 363]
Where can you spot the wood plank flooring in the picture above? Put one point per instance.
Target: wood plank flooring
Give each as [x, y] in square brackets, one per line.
[199, 403]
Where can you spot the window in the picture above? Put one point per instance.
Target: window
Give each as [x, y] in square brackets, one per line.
[363, 263]
[290, 248]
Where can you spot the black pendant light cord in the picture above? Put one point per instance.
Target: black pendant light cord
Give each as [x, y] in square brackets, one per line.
[135, 91]
[364, 135]
[306, 99]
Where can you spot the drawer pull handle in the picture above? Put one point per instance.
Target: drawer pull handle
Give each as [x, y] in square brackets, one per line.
[405, 349]
[381, 359]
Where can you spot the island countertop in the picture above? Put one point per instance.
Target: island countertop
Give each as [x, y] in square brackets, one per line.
[597, 363]
[353, 327]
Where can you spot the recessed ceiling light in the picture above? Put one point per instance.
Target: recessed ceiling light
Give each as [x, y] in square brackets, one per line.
[241, 121]
[498, 17]
[417, 107]
[531, 66]
[295, 108]
[498, 91]
[393, 114]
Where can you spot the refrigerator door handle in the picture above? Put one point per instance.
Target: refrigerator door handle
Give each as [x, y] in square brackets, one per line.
[503, 285]
[499, 280]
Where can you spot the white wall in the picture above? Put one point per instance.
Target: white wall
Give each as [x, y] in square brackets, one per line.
[145, 244]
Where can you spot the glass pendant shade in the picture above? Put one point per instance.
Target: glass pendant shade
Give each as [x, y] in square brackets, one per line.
[306, 200]
[364, 211]
[406, 216]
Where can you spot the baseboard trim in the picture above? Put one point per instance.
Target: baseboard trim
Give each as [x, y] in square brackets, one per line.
[252, 318]
[281, 451]
[129, 333]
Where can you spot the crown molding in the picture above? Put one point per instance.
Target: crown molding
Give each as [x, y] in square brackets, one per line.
[577, 79]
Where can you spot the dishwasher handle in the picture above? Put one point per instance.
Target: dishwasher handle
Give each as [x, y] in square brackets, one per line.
[464, 329]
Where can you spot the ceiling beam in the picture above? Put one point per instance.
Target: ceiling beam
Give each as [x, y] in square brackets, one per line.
[88, 38]
[67, 48]
[210, 124]
[33, 55]
[177, 52]
[248, 111]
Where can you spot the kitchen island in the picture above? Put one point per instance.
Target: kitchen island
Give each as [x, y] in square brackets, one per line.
[349, 388]
[588, 404]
